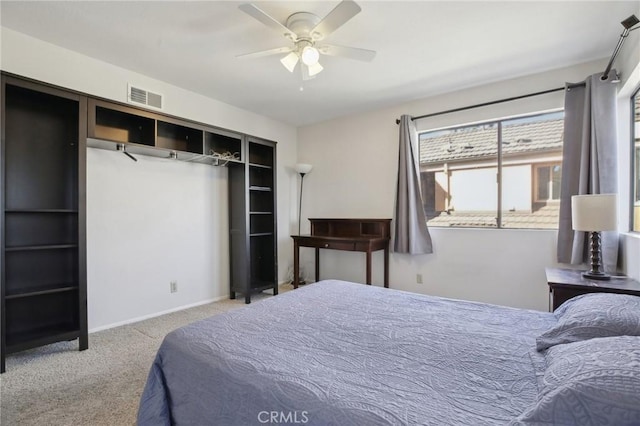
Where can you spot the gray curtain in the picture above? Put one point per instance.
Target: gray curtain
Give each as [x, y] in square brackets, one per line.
[589, 164]
[410, 223]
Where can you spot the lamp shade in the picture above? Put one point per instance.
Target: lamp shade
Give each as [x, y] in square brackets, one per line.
[290, 61]
[315, 69]
[594, 212]
[303, 168]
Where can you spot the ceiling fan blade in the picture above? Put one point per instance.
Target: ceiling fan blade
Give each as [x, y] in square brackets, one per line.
[344, 11]
[262, 53]
[347, 52]
[260, 15]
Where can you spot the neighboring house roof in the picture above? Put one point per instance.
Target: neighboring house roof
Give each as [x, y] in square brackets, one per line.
[480, 141]
[545, 217]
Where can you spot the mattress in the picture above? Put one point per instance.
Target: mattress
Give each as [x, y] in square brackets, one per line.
[339, 353]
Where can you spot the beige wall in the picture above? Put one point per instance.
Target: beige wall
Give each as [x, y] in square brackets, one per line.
[154, 221]
[354, 175]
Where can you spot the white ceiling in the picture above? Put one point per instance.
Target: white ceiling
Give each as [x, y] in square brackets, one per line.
[424, 48]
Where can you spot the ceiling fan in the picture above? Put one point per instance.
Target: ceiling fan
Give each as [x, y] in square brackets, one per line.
[306, 31]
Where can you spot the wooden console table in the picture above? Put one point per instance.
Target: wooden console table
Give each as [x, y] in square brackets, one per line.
[364, 235]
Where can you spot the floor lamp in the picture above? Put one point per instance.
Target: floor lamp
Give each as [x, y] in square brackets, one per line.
[303, 169]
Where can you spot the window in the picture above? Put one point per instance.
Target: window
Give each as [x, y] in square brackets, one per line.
[635, 165]
[500, 174]
[547, 183]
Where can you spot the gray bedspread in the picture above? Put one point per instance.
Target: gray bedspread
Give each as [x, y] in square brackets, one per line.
[338, 353]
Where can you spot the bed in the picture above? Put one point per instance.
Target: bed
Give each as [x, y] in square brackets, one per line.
[339, 353]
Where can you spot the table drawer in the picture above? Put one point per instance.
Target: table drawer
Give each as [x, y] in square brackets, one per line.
[339, 246]
[336, 245]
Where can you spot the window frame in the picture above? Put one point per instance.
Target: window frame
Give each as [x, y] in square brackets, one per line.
[634, 175]
[535, 186]
[499, 164]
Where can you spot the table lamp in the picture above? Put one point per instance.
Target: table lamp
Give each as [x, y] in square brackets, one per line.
[594, 213]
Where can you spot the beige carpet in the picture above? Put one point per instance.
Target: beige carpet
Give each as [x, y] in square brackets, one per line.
[58, 385]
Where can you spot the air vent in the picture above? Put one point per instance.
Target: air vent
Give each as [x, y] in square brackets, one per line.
[140, 96]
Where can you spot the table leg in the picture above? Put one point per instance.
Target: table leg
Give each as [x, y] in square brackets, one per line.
[317, 264]
[386, 267]
[296, 264]
[369, 267]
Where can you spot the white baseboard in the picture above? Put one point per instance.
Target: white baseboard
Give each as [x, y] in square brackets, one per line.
[157, 314]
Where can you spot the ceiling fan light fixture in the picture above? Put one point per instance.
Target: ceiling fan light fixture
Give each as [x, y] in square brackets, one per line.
[305, 29]
[310, 56]
[290, 61]
[315, 69]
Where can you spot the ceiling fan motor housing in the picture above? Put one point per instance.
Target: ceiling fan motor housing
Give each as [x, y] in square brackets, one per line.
[301, 23]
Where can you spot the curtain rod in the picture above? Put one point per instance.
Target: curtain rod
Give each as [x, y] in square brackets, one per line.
[513, 98]
[628, 25]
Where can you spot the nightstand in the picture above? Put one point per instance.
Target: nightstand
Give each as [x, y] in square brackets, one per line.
[567, 283]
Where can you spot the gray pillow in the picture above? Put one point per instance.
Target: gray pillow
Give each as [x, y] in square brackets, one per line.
[594, 382]
[593, 315]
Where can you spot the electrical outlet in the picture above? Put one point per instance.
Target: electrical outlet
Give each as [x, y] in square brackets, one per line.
[173, 286]
[419, 278]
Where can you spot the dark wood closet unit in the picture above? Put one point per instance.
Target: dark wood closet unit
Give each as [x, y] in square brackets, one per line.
[145, 132]
[43, 259]
[253, 222]
[251, 163]
[45, 133]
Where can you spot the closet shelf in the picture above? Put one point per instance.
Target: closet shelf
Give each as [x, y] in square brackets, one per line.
[40, 337]
[260, 188]
[252, 215]
[261, 166]
[41, 247]
[114, 126]
[43, 238]
[56, 211]
[42, 290]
